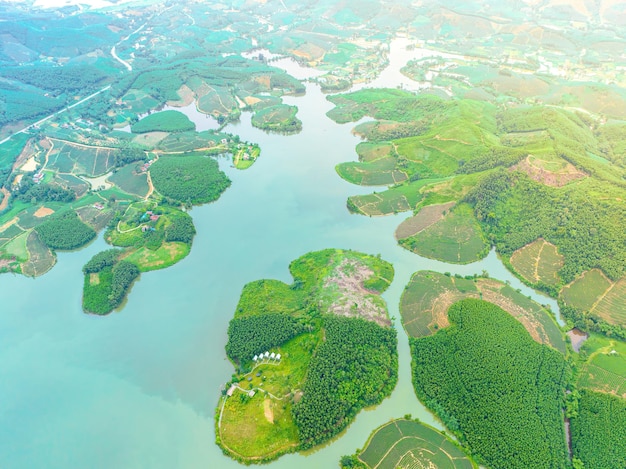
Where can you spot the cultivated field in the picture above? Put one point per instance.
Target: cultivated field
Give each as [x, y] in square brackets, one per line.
[407, 444]
[78, 159]
[428, 296]
[538, 261]
[585, 291]
[397, 199]
[41, 259]
[554, 173]
[456, 238]
[605, 369]
[426, 217]
[379, 172]
[129, 179]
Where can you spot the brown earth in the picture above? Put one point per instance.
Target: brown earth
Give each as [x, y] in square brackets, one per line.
[43, 212]
[354, 300]
[267, 410]
[94, 279]
[554, 179]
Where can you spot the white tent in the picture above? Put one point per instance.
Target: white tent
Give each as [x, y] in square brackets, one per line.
[272, 355]
[278, 356]
[255, 358]
[267, 354]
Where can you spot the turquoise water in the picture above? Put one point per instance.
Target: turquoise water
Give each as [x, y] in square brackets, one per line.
[139, 388]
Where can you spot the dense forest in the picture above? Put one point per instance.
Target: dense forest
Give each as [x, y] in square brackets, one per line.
[599, 431]
[498, 390]
[107, 281]
[189, 179]
[65, 231]
[355, 367]
[515, 210]
[252, 335]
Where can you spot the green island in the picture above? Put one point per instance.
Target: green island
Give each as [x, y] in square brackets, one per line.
[164, 121]
[501, 393]
[309, 355]
[405, 443]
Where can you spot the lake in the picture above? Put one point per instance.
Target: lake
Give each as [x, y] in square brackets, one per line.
[139, 388]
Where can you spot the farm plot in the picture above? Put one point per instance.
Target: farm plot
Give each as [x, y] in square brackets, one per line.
[426, 217]
[218, 101]
[612, 305]
[95, 217]
[538, 261]
[80, 159]
[371, 151]
[605, 369]
[397, 199]
[456, 238]
[381, 172]
[428, 296]
[68, 181]
[9, 231]
[552, 173]
[409, 444]
[130, 180]
[583, 292]
[41, 259]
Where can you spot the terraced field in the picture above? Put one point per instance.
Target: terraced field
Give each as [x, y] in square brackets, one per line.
[426, 299]
[538, 261]
[407, 444]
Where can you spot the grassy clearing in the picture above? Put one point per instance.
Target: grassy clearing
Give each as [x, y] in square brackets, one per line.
[406, 443]
[538, 261]
[428, 296]
[166, 255]
[604, 368]
[583, 292]
[456, 238]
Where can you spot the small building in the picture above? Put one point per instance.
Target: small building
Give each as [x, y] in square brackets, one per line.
[98, 205]
[231, 390]
[251, 393]
[267, 354]
[255, 358]
[272, 355]
[154, 217]
[278, 356]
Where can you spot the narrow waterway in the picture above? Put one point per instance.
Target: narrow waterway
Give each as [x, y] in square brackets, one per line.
[139, 388]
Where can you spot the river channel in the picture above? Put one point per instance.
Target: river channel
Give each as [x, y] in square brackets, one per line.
[138, 388]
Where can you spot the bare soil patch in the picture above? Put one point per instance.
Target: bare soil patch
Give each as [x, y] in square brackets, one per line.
[9, 223]
[267, 410]
[5, 201]
[354, 300]
[566, 175]
[251, 100]
[94, 279]
[426, 217]
[43, 212]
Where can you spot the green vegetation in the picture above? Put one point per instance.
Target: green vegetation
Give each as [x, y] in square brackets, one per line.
[250, 335]
[338, 355]
[538, 262]
[456, 238]
[603, 365]
[500, 392]
[164, 121]
[189, 179]
[65, 232]
[279, 118]
[427, 297]
[130, 179]
[354, 367]
[107, 281]
[599, 431]
[408, 443]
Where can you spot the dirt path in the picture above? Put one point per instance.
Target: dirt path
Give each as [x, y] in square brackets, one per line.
[150, 186]
[602, 296]
[5, 201]
[538, 259]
